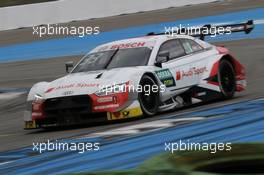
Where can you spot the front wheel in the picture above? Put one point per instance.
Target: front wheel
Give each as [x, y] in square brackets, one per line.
[227, 79]
[148, 98]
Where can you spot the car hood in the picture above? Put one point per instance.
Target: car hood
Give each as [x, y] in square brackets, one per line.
[90, 82]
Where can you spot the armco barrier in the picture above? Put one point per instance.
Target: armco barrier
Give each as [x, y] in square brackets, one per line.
[70, 10]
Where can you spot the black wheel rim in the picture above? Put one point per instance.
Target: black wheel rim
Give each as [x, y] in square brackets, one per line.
[148, 100]
[227, 79]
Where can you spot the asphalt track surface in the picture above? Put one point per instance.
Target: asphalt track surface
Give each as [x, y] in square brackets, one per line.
[24, 74]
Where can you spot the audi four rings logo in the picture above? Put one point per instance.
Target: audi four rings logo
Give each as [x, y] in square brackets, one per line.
[67, 93]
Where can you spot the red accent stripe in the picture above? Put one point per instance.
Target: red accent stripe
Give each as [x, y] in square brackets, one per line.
[213, 83]
[222, 50]
[214, 72]
[178, 75]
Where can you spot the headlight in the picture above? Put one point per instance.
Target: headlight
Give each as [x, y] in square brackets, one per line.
[108, 90]
[37, 98]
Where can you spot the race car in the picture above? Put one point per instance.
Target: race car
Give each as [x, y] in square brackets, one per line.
[137, 76]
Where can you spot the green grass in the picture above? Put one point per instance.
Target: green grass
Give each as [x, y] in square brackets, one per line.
[6, 3]
[242, 159]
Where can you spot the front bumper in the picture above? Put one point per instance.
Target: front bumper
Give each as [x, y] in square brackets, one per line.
[75, 111]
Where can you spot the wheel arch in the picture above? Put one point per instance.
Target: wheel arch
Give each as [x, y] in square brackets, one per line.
[229, 58]
[37, 88]
[150, 74]
[239, 71]
[156, 81]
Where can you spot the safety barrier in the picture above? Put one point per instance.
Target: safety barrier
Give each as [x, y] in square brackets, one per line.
[68, 10]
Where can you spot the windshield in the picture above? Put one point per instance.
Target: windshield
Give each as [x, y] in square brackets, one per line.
[114, 59]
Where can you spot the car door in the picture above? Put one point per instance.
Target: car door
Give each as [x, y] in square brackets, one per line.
[194, 64]
[167, 74]
[183, 64]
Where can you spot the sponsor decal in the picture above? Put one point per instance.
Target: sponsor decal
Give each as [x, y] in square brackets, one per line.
[190, 73]
[84, 85]
[166, 77]
[30, 125]
[108, 103]
[106, 106]
[105, 99]
[128, 45]
[78, 85]
[128, 113]
[65, 86]
[125, 113]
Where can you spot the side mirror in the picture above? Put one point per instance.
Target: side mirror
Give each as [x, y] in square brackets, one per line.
[68, 65]
[162, 58]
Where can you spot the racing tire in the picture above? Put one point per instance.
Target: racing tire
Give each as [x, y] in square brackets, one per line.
[149, 101]
[226, 79]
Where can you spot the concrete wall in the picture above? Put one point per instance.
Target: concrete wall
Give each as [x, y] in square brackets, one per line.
[69, 10]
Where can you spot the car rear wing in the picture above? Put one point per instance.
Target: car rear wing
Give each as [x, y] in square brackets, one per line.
[209, 30]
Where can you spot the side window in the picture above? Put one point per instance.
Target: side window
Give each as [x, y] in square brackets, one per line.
[174, 47]
[190, 46]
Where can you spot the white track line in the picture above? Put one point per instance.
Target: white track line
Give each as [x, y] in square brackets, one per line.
[10, 95]
[3, 163]
[135, 129]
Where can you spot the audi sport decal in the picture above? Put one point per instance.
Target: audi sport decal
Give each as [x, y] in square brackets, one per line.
[181, 74]
[193, 71]
[78, 85]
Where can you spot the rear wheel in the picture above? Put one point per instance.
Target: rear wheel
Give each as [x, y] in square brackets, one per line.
[149, 100]
[227, 79]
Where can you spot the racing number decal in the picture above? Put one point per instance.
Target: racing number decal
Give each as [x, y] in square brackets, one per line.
[166, 77]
